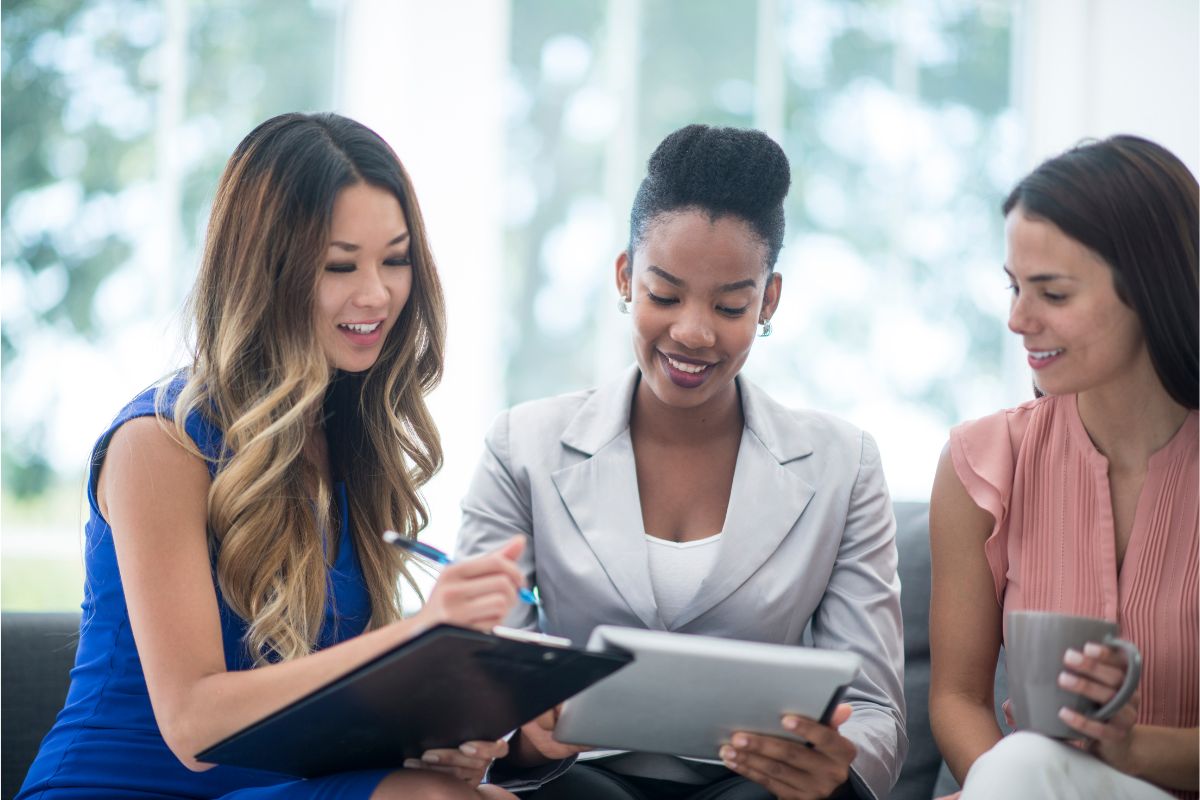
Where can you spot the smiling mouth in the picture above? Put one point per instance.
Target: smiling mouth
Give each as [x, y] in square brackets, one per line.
[1042, 355]
[360, 327]
[682, 366]
[685, 374]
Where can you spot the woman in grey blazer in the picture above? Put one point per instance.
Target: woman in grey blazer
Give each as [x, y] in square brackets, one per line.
[681, 497]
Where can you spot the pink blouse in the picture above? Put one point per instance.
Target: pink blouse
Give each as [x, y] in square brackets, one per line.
[1053, 548]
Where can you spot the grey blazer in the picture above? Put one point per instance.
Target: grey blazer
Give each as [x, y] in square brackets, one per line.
[808, 553]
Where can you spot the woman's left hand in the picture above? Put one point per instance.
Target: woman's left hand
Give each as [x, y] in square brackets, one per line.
[1097, 673]
[468, 762]
[793, 770]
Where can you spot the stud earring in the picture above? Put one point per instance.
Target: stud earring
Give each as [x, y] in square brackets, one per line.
[766, 328]
[623, 304]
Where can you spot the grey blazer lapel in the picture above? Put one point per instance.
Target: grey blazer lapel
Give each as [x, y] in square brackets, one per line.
[764, 505]
[601, 494]
[765, 502]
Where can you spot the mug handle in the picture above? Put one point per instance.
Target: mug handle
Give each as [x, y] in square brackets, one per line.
[1133, 672]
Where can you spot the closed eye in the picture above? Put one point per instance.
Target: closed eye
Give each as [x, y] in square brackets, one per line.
[732, 312]
[340, 267]
[662, 301]
[1053, 297]
[398, 261]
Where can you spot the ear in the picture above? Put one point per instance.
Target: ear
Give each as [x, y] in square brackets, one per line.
[771, 296]
[624, 275]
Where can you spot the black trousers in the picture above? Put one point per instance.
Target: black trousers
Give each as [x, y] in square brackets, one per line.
[584, 782]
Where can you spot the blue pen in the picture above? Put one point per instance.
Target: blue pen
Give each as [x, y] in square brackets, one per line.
[438, 559]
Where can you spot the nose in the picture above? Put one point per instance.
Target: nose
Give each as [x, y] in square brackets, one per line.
[1021, 319]
[693, 330]
[371, 292]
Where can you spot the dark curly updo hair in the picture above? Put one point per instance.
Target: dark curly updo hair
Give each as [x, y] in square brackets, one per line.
[722, 172]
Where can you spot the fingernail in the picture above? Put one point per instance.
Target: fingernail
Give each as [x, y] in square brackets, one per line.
[1073, 657]
[740, 741]
[469, 749]
[412, 763]
[1093, 649]
[1066, 714]
[430, 758]
[791, 723]
[728, 754]
[1066, 679]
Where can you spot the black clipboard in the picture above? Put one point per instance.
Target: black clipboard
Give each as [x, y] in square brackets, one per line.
[441, 688]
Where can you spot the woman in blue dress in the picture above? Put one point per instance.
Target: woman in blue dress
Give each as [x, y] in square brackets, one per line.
[234, 560]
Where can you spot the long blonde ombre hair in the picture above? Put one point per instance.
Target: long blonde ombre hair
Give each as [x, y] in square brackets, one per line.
[260, 375]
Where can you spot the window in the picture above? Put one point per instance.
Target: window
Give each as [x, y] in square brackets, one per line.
[526, 132]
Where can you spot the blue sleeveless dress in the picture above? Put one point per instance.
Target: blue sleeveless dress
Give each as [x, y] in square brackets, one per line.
[105, 742]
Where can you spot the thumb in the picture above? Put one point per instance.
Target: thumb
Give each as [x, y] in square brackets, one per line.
[841, 714]
[547, 720]
[513, 548]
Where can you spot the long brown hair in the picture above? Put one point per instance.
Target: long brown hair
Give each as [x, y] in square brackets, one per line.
[260, 375]
[1134, 204]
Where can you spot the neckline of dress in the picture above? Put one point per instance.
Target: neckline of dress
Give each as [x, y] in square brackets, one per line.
[1093, 453]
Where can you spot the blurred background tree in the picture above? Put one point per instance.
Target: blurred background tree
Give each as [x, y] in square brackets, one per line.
[83, 135]
[68, 152]
[117, 118]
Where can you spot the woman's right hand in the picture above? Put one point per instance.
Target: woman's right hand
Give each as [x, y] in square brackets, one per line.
[476, 592]
[535, 742]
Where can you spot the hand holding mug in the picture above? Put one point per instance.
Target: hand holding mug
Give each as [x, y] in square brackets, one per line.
[1098, 673]
[1038, 645]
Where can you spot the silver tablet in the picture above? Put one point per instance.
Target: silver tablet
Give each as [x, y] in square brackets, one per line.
[685, 695]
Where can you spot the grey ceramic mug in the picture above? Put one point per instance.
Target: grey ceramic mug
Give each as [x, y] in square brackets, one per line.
[1034, 645]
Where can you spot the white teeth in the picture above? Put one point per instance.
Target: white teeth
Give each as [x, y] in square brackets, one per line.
[360, 328]
[1040, 354]
[689, 368]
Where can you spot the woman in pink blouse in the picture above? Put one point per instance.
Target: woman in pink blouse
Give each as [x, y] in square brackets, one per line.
[1083, 501]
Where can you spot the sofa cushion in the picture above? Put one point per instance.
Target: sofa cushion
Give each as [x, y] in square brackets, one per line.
[920, 771]
[37, 651]
[924, 774]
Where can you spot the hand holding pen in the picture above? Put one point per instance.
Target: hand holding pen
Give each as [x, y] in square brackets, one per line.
[436, 559]
[475, 592]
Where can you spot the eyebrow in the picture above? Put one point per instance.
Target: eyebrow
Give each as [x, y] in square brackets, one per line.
[1045, 277]
[353, 247]
[725, 287]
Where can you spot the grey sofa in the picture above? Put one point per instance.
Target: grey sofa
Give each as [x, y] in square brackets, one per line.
[38, 651]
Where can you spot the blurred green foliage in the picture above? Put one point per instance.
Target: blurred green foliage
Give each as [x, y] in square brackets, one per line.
[52, 135]
[81, 87]
[41, 584]
[42, 567]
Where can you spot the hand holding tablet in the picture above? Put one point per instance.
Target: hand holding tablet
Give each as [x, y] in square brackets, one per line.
[688, 695]
[816, 767]
[537, 743]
